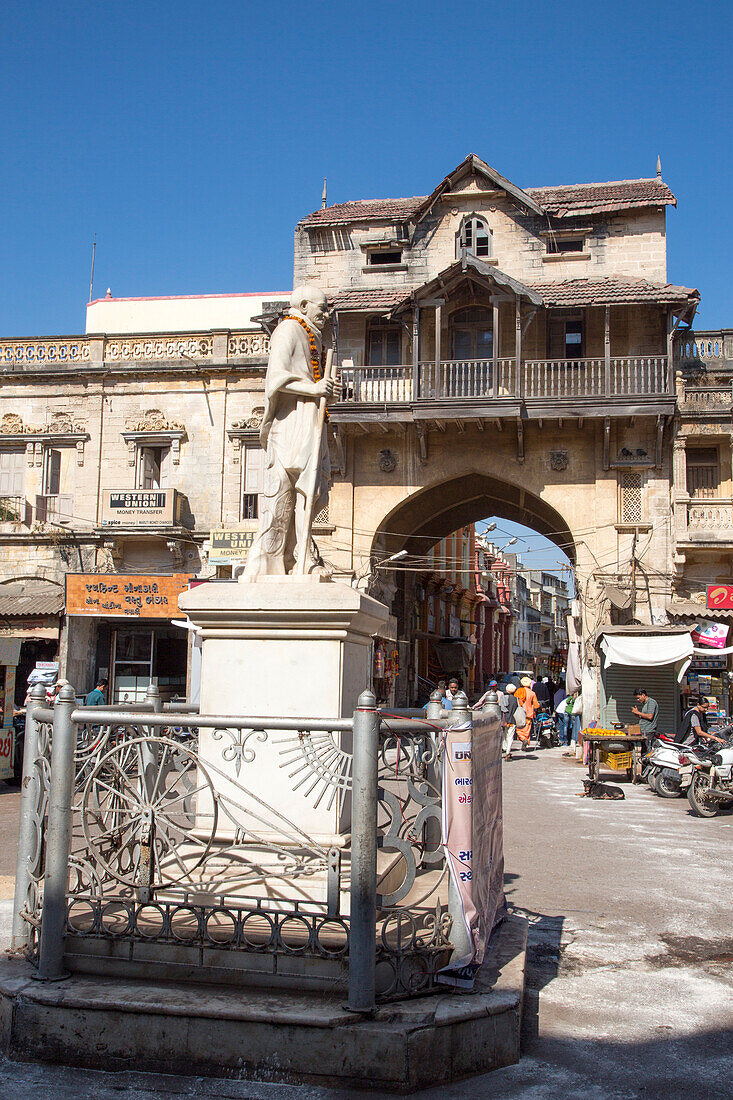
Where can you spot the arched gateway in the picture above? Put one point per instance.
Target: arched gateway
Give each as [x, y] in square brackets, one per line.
[506, 350]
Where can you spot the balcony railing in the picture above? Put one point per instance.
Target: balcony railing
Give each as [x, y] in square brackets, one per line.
[711, 519]
[55, 508]
[69, 352]
[628, 376]
[704, 348]
[709, 400]
[13, 510]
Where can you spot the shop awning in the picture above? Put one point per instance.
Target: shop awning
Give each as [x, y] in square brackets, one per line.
[21, 599]
[453, 655]
[647, 651]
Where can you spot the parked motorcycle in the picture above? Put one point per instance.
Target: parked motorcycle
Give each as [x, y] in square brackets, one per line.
[662, 766]
[545, 729]
[710, 780]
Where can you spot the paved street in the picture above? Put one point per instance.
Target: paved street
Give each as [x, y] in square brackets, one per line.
[630, 988]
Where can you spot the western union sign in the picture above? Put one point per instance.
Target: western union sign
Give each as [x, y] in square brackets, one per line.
[230, 545]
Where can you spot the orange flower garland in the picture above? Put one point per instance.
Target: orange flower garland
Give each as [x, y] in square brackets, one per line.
[317, 364]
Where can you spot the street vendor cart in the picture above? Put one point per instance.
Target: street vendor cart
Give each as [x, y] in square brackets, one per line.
[620, 750]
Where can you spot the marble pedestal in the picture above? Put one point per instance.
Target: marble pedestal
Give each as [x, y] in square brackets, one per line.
[279, 647]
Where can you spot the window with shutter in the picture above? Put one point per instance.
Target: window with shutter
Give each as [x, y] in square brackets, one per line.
[253, 475]
[12, 473]
[153, 466]
[703, 472]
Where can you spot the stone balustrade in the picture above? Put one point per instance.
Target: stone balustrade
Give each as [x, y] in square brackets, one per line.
[708, 347]
[710, 519]
[710, 400]
[61, 352]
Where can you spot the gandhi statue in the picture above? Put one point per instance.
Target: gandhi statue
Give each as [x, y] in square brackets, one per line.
[294, 386]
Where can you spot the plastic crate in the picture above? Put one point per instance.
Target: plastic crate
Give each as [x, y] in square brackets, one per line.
[618, 761]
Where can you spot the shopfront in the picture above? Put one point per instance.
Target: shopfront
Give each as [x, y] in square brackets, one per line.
[126, 624]
[655, 659]
[30, 614]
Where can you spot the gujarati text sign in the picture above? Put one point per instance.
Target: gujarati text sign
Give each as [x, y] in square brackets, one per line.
[125, 596]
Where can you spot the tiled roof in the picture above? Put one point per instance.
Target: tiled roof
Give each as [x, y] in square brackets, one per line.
[572, 200]
[31, 597]
[610, 291]
[602, 198]
[369, 298]
[365, 210]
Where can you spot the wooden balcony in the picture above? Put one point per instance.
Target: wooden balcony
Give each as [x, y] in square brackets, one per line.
[490, 388]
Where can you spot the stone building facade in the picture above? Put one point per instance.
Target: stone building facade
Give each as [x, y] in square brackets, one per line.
[503, 350]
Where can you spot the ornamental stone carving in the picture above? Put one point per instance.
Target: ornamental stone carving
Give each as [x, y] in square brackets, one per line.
[12, 424]
[153, 420]
[62, 423]
[253, 422]
[559, 460]
[387, 460]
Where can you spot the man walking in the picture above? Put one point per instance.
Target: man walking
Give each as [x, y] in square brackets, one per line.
[508, 705]
[647, 711]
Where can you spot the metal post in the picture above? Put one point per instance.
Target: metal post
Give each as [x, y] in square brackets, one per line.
[56, 879]
[434, 709]
[153, 699]
[27, 841]
[363, 921]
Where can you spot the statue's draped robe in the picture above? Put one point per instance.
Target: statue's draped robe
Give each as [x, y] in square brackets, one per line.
[288, 435]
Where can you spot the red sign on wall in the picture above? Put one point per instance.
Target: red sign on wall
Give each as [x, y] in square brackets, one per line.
[720, 596]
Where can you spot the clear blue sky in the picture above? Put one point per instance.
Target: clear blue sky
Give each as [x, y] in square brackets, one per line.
[192, 136]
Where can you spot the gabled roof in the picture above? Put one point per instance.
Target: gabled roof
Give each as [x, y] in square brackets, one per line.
[572, 200]
[473, 165]
[614, 290]
[471, 266]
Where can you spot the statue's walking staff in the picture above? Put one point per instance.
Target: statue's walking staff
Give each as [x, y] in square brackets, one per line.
[315, 469]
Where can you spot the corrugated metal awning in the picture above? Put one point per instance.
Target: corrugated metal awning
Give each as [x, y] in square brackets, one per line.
[20, 599]
[690, 611]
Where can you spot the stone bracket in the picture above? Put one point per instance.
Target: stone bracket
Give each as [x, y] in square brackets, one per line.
[520, 440]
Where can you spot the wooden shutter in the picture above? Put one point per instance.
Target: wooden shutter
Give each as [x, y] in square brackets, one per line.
[12, 473]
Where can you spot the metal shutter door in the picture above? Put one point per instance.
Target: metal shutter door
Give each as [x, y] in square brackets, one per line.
[618, 684]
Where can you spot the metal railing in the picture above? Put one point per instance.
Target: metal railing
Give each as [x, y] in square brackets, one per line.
[134, 857]
[534, 379]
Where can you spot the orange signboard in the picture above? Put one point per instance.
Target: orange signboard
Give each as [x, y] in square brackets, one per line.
[125, 596]
[720, 596]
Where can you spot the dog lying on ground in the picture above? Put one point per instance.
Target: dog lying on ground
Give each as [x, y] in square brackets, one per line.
[593, 789]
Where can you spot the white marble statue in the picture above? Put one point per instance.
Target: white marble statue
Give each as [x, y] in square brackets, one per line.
[293, 434]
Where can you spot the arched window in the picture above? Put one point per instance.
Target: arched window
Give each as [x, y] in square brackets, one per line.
[475, 237]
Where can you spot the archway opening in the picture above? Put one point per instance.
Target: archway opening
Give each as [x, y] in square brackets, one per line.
[478, 575]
